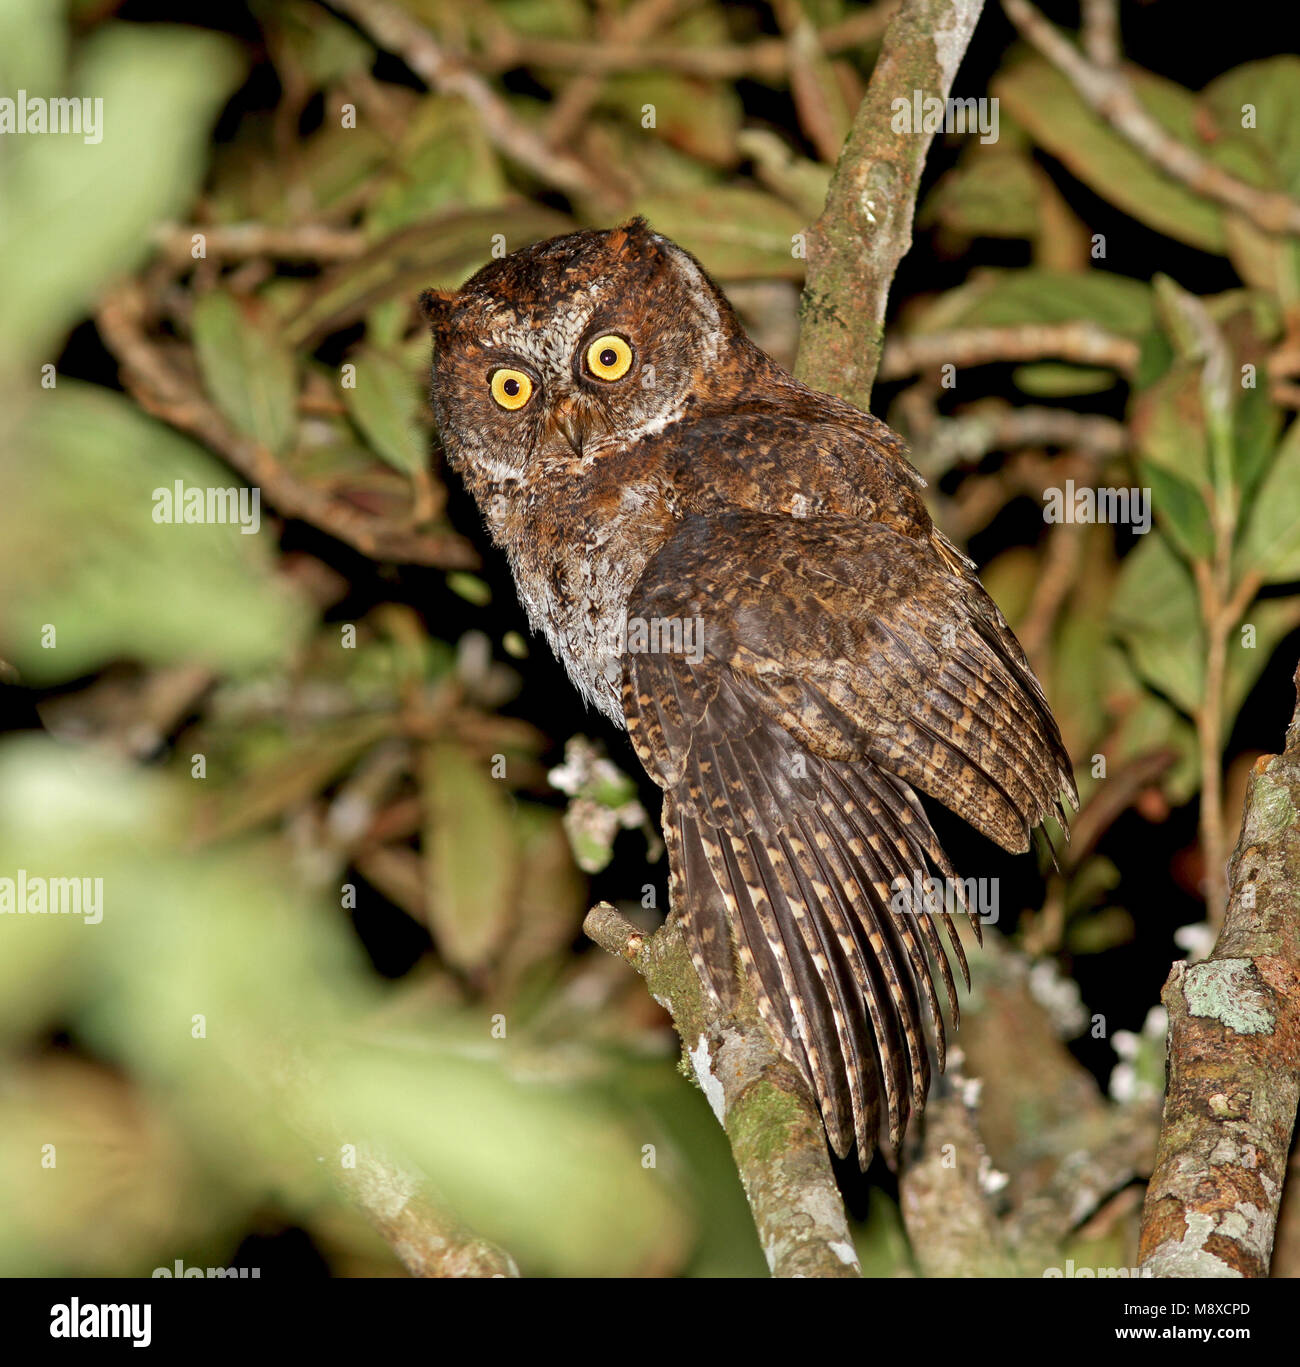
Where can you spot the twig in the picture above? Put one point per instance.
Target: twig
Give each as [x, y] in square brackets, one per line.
[1082, 342]
[236, 241]
[866, 227]
[946, 1210]
[428, 1240]
[762, 1101]
[822, 113]
[162, 390]
[574, 102]
[765, 59]
[1234, 1054]
[1056, 577]
[1110, 94]
[1099, 30]
[393, 29]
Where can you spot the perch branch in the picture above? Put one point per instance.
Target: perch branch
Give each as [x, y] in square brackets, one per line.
[762, 1101]
[865, 229]
[1234, 1054]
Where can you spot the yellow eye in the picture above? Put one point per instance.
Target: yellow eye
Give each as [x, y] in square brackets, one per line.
[609, 357]
[511, 388]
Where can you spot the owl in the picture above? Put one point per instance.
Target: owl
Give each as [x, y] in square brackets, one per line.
[742, 572]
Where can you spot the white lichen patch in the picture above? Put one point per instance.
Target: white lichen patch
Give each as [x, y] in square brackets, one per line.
[702, 1062]
[952, 40]
[845, 1253]
[1230, 991]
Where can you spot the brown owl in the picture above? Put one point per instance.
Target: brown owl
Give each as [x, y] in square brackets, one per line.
[741, 571]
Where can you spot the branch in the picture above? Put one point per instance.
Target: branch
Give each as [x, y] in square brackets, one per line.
[427, 1239]
[1109, 94]
[238, 241]
[866, 227]
[1234, 1054]
[765, 59]
[1081, 342]
[393, 29]
[161, 390]
[760, 1098]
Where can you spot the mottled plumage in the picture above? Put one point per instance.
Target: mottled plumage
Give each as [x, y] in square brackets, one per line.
[846, 657]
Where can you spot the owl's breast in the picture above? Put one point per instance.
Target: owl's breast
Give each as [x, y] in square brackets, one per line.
[575, 562]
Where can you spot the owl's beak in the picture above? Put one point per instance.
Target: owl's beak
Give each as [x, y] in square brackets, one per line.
[567, 420]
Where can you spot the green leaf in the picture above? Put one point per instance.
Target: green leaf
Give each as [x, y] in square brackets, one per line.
[736, 231]
[1055, 380]
[246, 369]
[1045, 103]
[1167, 421]
[1266, 154]
[1271, 620]
[992, 192]
[470, 853]
[80, 550]
[1156, 614]
[444, 162]
[1181, 510]
[1271, 542]
[701, 118]
[78, 213]
[383, 405]
[1007, 298]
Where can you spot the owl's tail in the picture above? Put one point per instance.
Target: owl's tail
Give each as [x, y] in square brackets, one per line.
[830, 907]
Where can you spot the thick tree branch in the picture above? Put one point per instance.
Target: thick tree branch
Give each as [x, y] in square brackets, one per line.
[1234, 1054]
[763, 1103]
[866, 227]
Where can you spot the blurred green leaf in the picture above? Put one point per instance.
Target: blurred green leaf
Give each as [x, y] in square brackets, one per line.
[444, 162]
[80, 550]
[1270, 544]
[383, 405]
[77, 213]
[248, 372]
[470, 851]
[1045, 103]
[1168, 424]
[1181, 510]
[1006, 298]
[1054, 380]
[700, 118]
[433, 253]
[1156, 612]
[736, 231]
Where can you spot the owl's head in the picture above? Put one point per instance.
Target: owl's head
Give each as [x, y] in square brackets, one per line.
[572, 345]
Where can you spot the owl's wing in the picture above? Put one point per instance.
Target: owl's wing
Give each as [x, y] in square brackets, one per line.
[820, 670]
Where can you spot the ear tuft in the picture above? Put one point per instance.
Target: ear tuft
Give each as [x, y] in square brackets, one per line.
[436, 308]
[635, 229]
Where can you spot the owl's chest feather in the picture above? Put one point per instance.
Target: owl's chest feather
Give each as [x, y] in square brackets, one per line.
[576, 560]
